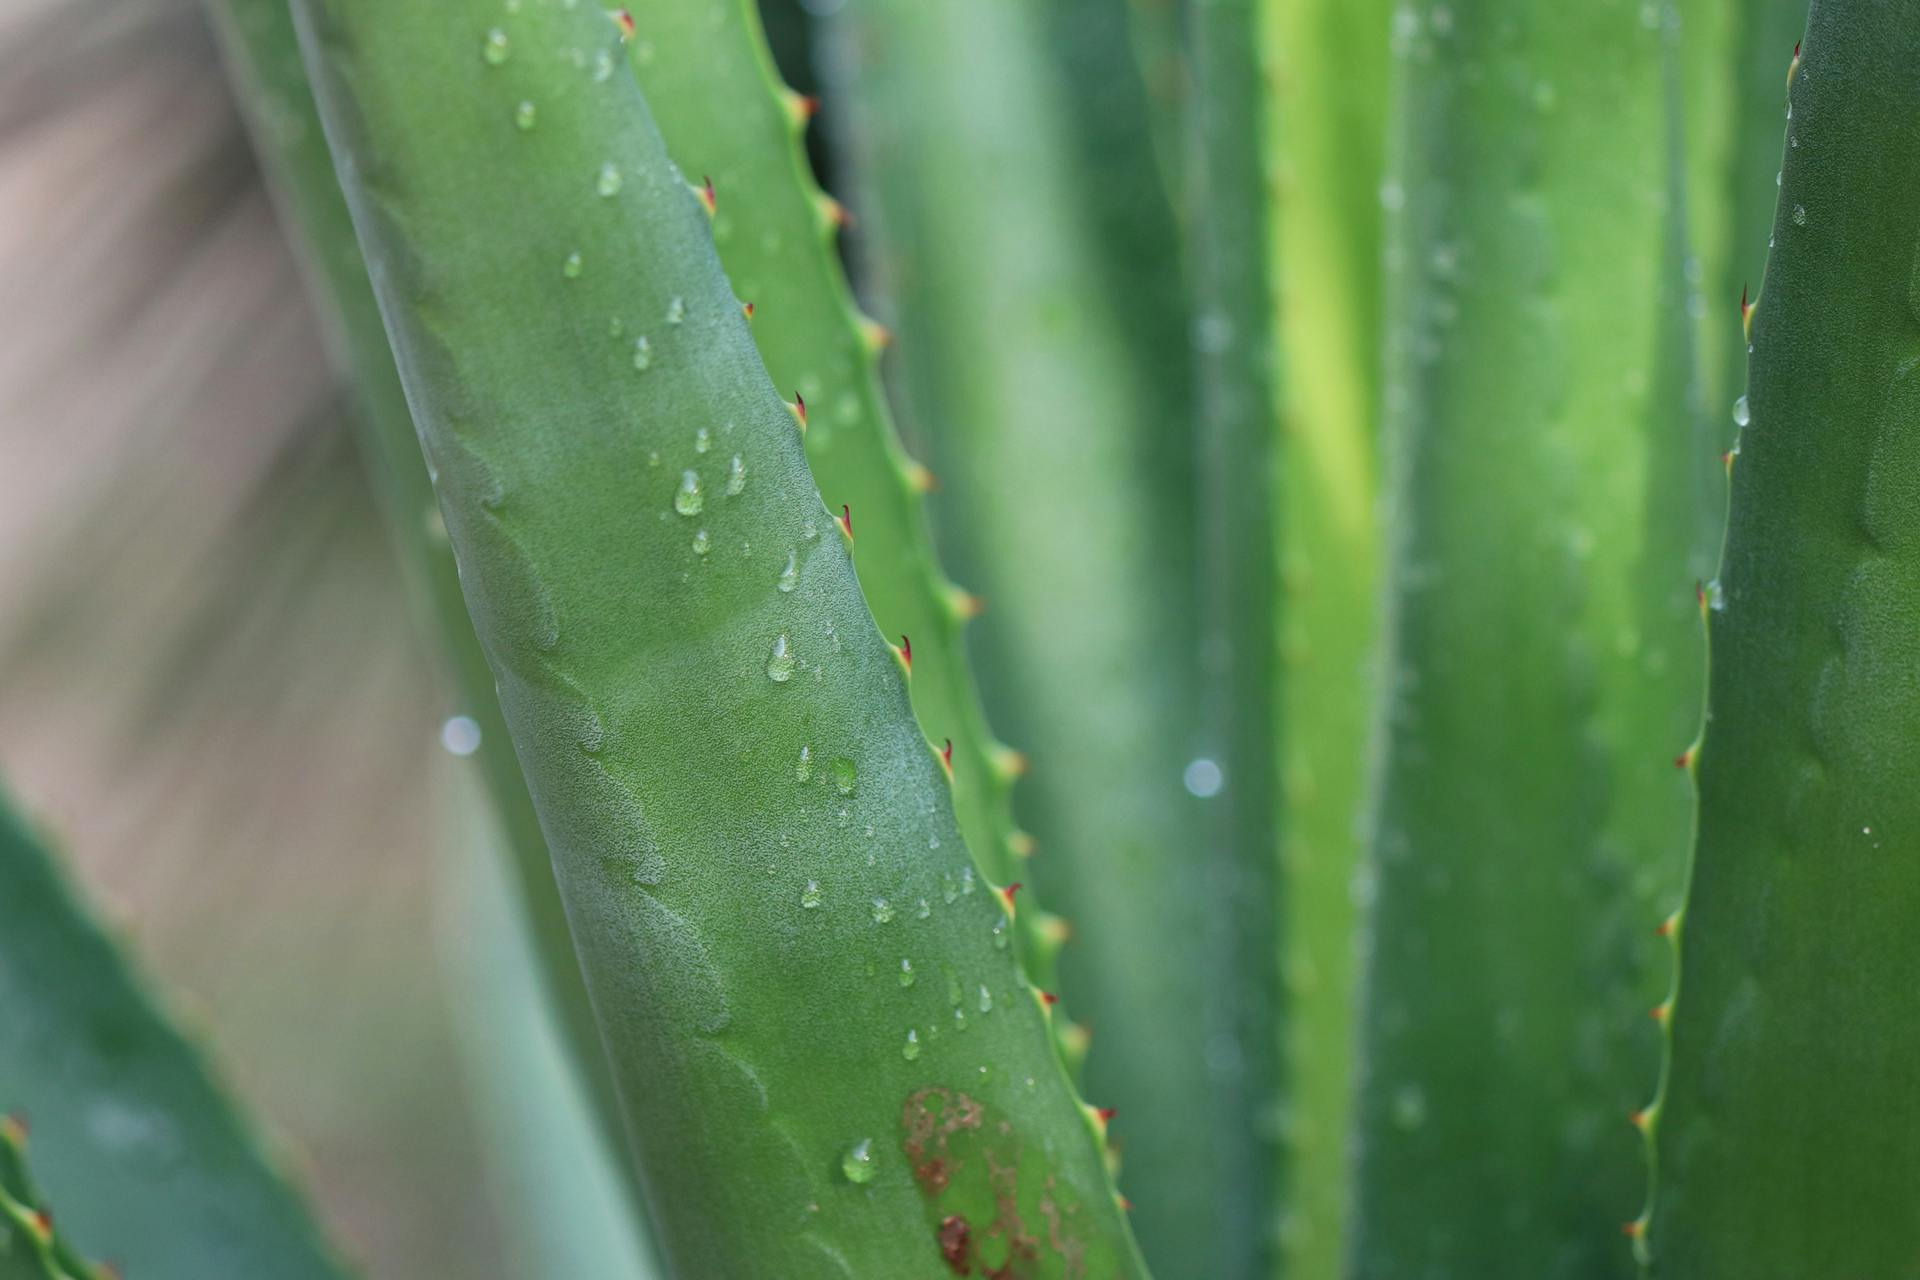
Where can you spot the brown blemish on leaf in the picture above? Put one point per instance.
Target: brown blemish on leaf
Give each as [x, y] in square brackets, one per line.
[953, 1147]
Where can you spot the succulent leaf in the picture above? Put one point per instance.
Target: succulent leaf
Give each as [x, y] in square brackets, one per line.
[137, 1151]
[1541, 660]
[1783, 1134]
[798, 1110]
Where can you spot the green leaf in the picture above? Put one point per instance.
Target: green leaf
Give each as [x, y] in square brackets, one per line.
[1326, 130]
[137, 1152]
[1542, 651]
[799, 1110]
[1784, 1134]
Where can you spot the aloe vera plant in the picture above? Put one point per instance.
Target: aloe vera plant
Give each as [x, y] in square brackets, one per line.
[1793, 978]
[1329, 401]
[754, 927]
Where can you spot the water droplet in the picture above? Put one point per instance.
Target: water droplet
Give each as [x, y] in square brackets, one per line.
[602, 66]
[615, 326]
[688, 501]
[525, 114]
[572, 267]
[700, 543]
[1393, 197]
[1799, 215]
[780, 661]
[1409, 1107]
[949, 890]
[803, 771]
[495, 49]
[966, 880]
[906, 972]
[642, 353]
[791, 574]
[857, 1164]
[924, 910]
[676, 310]
[810, 896]
[809, 530]
[986, 999]
[608, 183]
[845, 776]
[736, 476]
[1000, 934]
[1716, 596]
[959, 1019]
[460, 735]
[911, 1049]
[1203, 778]
[882, 911]
[1741, 414]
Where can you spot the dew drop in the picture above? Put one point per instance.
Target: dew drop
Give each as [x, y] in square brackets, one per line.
[1000, 934]
[572, 267]
[701, 544]
[810, 896]
[845, 776]
[882, 911]
[496, 48]
[688, 501]
[924, 910]
[602, 66]
[736, 476]
[803, 771]
[1741, 415]
[642, 353]
[809, 530]
[986, 999]
[525, 114]
[966, 880]
[911, 1049]
[1799, 215]
[460, 735]
[949, 890]
[702, 440]
[608, 183]
[857, 1164]
[780, 661]
[676, 310]
[907, 975]
[791, 574]
[1716, 596]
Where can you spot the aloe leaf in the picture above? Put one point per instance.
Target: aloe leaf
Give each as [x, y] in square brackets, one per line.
[1783, 1137]
[1238, 416]
[1326, 134]
[263, 58]
[1067, 501]
[1527, 824]
[137, 1151]
[798, 1106]
[717, 99]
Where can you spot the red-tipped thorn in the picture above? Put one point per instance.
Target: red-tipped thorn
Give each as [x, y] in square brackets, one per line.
[624, 21]
[1746, 307]
[1639, 1119]
[1684, 760]
[906, 653]
[1126, 1205]
[1008, 893]
[1022, 844]
[1664, 929]
[800, 409]
[1661, 1012]
[1106, 1114]
[806, 106]
[921, 480]
[836, 212]
[42, 1222]
[1700, 594]
[876, 335]
[708, 199]
[13, 1128]
[946, 756]
[846, 520]
[1633, 1230]
[1049, 999]
[746, 309]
